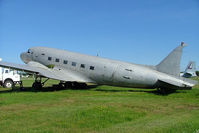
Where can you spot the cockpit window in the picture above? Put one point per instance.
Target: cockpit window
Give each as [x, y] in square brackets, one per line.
[30, 51]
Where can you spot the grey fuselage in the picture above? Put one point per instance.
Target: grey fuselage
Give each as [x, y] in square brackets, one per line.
[106, 71]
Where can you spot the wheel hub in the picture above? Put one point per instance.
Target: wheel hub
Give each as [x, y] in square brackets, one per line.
[9, 85]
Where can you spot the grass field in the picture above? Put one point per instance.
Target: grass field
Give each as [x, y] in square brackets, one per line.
[99, 109]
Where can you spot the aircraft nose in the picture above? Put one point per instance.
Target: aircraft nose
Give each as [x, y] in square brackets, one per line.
[25, 57]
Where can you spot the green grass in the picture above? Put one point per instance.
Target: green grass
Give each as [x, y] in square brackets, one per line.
[103, 109]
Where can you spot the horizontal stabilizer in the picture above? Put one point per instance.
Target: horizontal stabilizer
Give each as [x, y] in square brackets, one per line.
[177, 83]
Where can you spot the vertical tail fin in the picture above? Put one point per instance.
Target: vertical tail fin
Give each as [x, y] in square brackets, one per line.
[171, 64]
[190, 70]
[191, 67]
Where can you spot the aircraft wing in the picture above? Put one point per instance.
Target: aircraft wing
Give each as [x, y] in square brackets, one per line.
[55, 73]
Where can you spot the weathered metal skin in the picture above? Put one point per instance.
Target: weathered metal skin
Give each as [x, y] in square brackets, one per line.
[74, 67]
[112, 72]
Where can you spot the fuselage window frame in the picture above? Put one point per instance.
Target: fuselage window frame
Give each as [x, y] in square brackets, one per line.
[83, 66]
[49, 58]
[92, 68]
[74, 64]
[65, 62]
[57, 60]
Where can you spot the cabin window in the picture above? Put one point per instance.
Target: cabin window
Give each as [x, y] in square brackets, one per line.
[92, 68]
[56, 60]
[43, 54]
[82, 66]
[74, 64]
[65, 62]
[49, 58]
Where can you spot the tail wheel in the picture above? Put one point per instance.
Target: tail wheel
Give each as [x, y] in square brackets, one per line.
[8, 83]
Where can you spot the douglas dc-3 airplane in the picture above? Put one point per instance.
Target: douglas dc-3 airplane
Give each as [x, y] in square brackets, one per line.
[74, 69]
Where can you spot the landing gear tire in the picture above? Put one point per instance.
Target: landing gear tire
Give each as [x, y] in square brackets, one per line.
[68, 85]
[83, 85]
[37, 85]
[79, 86]
[22, 89]
[75, 86]
[8, 84]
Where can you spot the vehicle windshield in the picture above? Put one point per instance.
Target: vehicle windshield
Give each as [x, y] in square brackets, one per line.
[6, 71]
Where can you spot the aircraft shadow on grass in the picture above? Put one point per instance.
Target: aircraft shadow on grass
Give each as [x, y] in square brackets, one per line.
[156, 92]
[44, 89]
[90, 87]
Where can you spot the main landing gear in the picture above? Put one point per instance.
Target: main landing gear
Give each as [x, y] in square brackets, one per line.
[38, 84]
[71, 85]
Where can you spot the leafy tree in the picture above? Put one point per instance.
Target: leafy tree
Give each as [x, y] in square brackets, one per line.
[197, 73]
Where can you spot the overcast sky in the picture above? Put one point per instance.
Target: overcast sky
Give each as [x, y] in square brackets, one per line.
[138, 31]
